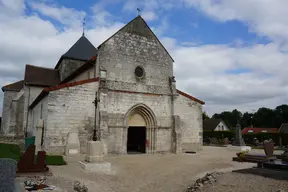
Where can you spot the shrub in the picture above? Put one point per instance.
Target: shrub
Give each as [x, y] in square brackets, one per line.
[218, 134]
[9, 151]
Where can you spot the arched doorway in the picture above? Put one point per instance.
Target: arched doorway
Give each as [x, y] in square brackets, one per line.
[141, 129]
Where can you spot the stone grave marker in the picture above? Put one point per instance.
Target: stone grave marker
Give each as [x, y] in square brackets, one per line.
[214, 140]
[238, 141]
[226, 141]
[268, 148]
[7, 174]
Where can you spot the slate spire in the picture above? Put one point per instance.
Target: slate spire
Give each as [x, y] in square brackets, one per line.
[82, 50]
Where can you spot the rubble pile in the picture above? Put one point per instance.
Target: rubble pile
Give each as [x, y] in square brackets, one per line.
[209, 178]
[77, 187]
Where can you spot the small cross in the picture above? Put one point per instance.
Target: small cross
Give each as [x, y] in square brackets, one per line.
[139, 11]
[83, 23]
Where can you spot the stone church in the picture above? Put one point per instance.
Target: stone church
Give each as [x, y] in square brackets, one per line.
[138, 105]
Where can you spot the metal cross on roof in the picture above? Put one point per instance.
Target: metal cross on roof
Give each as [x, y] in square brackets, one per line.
[83, 23]
[139, 11]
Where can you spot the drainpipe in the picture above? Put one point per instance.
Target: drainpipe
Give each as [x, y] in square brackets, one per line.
[28, 103]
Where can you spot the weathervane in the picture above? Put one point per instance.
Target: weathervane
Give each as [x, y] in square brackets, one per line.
[84, 22]
[139, 11]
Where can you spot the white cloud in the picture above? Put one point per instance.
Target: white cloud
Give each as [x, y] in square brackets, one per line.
[32, 40]
[12, 7]
[66, 16]
[148, 8]
[264, 17]
[149, 15]
[100, 15]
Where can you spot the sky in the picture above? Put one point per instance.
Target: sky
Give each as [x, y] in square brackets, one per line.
[228, 53]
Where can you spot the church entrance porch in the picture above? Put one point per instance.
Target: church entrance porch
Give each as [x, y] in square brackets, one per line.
[136, 140]
[141, 125]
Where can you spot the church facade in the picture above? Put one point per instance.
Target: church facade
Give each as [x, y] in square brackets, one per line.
[138, 108]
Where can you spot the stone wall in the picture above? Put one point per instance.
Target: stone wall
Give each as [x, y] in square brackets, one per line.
[68, 66]
[135, 45]
[190, 113]
[67, 108]
[124, 51]
[6, 111]
[88, 74]
[20, 116]
[116, 106]
[30, 94]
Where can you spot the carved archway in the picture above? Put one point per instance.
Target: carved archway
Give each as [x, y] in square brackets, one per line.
[142, 115]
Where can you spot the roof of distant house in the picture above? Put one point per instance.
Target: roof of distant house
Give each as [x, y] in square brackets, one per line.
[41, 76]
[259, 130]
[284, 128]
[17, 86]
[210, 124]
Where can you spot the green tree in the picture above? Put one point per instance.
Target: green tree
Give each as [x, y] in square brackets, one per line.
[205, 116]
[264, 117]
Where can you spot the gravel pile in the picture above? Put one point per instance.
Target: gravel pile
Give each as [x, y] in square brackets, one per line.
[209, 178]
[237, 182]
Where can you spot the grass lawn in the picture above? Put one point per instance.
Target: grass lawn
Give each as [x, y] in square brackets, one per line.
[12, 151]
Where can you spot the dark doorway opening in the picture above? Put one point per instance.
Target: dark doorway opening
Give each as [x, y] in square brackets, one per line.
[136, 140]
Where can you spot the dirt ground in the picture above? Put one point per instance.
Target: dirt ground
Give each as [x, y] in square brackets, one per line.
[147, 173]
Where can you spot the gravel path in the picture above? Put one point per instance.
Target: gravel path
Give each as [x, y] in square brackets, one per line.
[237, 182]
[147, 173]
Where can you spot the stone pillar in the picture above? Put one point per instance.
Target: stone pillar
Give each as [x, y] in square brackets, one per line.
[38, 135]
[238, 141]
[177, 134]
[95, 151]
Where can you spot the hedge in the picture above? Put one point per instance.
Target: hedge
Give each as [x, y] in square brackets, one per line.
[12, 151]
[248, 138]
[218, 134]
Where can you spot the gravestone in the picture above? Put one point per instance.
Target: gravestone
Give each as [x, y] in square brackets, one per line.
[26, 163]
[268, 148]
[7, 174]
[214, 140]
[238, 141]
[226, 141]
[284, 156]
[73, 143]
[256, 142]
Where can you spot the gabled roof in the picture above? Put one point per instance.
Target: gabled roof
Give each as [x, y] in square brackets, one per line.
[190, 97]
[82, 50]
[142, 26]
[210, 124]
[41, 76]
[284, 128]
[64, 83]
[17, 86]
[259, 130]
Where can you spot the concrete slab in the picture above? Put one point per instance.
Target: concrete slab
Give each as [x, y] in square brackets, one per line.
[99, 167]
[239, 148]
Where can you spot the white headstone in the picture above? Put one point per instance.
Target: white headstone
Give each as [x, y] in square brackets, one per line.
[73, 143]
